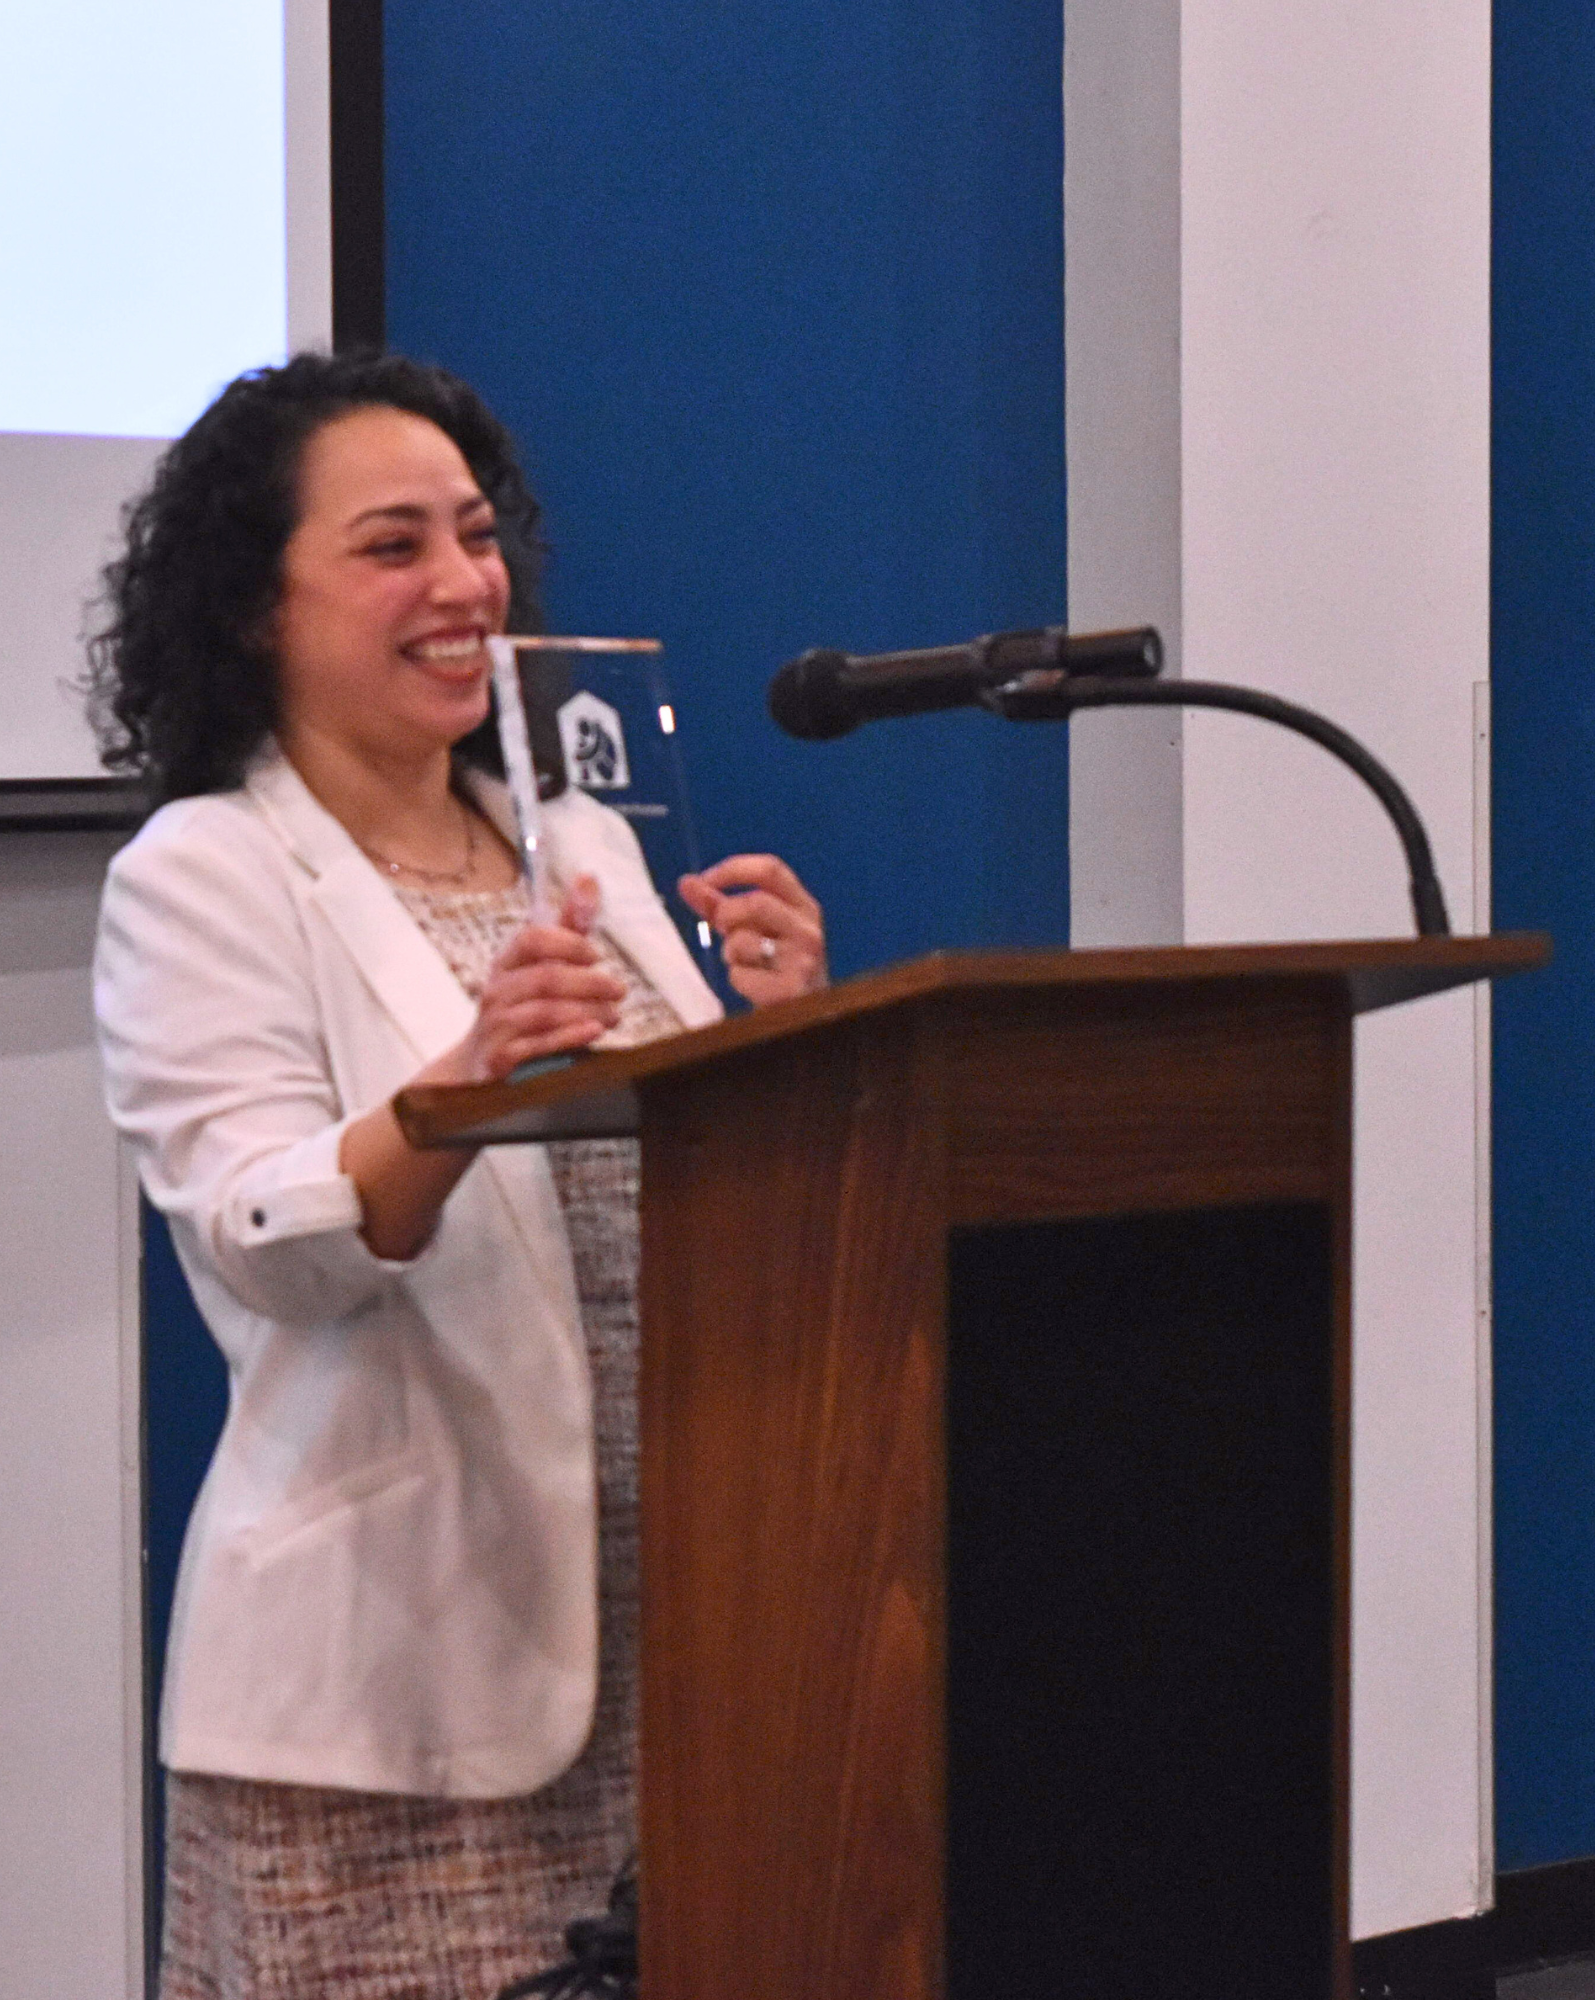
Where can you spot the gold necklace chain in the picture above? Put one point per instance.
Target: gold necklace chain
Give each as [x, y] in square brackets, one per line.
[438, 878]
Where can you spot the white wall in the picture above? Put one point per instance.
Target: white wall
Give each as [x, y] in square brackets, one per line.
[1327, 329]
[71, 1886]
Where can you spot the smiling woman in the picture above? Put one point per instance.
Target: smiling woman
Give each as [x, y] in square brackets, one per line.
[399, 1710]
[392, 580]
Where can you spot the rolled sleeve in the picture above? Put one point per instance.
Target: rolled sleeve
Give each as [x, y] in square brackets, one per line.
[286, 1236]
[303, 1194]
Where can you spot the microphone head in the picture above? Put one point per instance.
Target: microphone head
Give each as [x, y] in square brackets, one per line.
[806, 698]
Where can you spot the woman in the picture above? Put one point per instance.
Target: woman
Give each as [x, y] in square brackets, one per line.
[385, 1652]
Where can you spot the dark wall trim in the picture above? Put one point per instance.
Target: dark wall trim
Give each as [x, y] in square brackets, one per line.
[359, 274]
[1449, 1961]
[71, 805]
[1545, 1913]
[1541, 1915]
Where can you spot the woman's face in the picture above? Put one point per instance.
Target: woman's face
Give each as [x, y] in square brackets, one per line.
[391, 581]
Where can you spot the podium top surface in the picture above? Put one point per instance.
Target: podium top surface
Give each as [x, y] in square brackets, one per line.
[596, 1095]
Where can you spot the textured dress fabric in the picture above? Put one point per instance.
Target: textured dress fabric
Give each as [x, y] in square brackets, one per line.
[289, 1892]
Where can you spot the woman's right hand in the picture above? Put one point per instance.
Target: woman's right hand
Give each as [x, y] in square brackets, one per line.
[545, 994]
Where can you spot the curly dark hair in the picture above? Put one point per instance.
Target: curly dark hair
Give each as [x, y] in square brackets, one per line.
[181, 686]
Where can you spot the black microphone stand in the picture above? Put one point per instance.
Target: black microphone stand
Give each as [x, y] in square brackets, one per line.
[1047, 695]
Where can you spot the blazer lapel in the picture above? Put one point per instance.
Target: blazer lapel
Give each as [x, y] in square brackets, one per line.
[403, 971]
[645, 932]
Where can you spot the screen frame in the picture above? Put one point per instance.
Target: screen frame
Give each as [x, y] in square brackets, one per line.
[335, 203]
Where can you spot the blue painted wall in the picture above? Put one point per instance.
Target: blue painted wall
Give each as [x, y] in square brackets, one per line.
[1544, 732]
[772, 296]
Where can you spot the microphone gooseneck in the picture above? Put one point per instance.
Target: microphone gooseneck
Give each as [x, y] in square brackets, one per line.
[1055, 697]
[1049, 674]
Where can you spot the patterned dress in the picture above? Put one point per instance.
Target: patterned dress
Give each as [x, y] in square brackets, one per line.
[293, 1892]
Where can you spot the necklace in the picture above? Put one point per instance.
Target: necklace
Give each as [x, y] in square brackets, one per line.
[440, 878]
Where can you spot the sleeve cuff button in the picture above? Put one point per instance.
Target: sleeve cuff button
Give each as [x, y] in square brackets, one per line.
[258, 1217]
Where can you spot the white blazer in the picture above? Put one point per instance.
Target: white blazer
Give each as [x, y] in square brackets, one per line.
[388, 1583]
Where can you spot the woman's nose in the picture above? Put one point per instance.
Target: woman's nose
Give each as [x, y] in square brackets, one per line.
[457, 576]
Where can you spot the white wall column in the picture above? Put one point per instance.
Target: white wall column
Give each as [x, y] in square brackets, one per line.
[1121, 149]
[1326, 329]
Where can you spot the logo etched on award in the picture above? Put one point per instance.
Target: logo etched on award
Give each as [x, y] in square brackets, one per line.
[594, 743]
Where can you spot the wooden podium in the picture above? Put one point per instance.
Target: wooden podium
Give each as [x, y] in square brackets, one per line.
[995, 1464]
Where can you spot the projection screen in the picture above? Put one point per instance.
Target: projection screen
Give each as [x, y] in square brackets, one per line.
[165, 221]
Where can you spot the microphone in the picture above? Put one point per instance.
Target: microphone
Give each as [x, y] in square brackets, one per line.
[823, 693]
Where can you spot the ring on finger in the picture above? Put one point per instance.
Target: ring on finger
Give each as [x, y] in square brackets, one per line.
[767, 951]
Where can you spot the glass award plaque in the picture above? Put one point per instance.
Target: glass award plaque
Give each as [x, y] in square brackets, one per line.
[598, 713]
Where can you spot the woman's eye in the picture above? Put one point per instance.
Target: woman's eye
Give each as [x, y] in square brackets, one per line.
[481, 538]
[397, 548]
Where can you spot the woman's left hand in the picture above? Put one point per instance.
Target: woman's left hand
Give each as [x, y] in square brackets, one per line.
[773, 930]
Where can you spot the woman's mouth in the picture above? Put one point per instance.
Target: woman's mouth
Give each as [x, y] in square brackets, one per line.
[445, 649]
